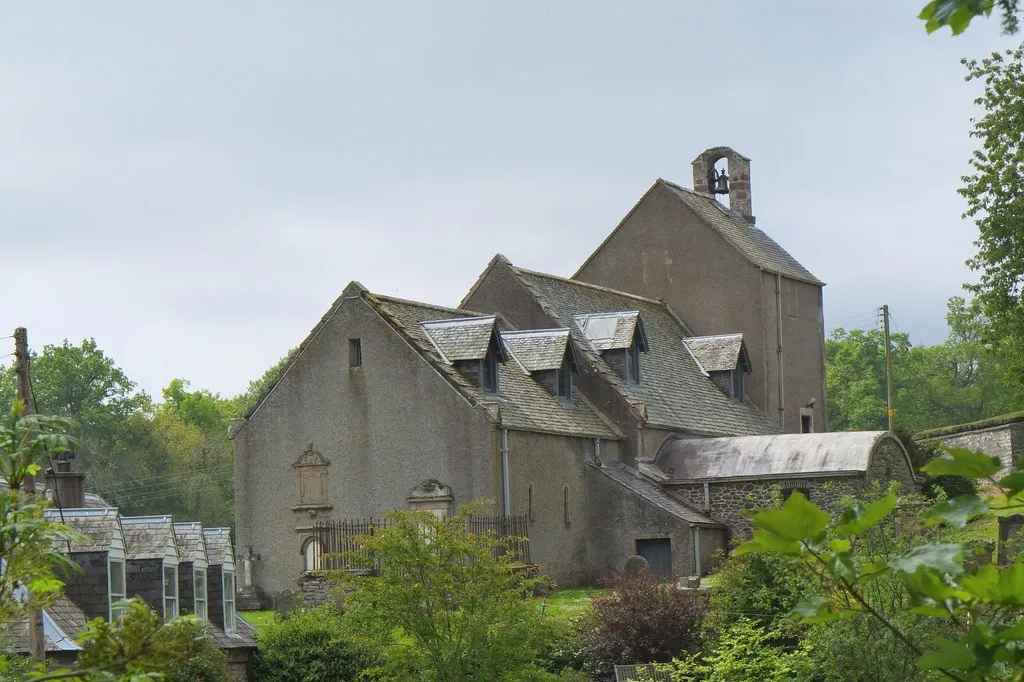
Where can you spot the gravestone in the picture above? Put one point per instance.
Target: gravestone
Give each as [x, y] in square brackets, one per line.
[636, 565]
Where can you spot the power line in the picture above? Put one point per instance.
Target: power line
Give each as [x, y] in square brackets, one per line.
[162, 479]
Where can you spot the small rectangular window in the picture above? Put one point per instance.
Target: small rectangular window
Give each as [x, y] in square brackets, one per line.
[489, 373]
[806, 424]
[739, 391]
[355, 353]
[170, 592]
[563, 382]
[117, 589]
[633, 364]
[229, 601]
[200, 588]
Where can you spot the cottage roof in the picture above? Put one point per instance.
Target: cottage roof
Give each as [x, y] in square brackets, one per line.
[674, 393]
[218, 546]
[611, 331]
[524, 404]
[98, 529]
[244, 636]
[461, 338]
[538, 349]
[191, 541]
[773, 456]
[716, 353]
[149, 537]
[653, 493]
[752, 243]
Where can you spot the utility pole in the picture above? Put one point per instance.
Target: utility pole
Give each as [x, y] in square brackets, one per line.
[36, 639]
[888, 367]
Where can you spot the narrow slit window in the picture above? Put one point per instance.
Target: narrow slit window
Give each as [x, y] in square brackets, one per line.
[200, 588]
[229, 601]
[529, 505]
[170, 592]
[355, 353]
[117, 589]
[565, 505]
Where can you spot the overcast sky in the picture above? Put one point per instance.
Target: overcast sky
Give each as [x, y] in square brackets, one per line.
[193, 183]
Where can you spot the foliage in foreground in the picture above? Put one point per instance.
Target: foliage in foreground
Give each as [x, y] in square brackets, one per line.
[958, 14]
[309, 645]
[976, 613]
[447, 604]
[643, 621]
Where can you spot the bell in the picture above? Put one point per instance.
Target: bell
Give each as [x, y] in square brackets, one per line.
[721, 182]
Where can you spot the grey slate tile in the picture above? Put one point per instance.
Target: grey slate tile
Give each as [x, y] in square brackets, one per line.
[716, 353]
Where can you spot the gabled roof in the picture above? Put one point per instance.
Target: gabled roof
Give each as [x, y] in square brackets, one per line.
[717, 353]
[98, 528]
[524, 404]
[538, 349]
[191, 541]
[612, 331]
[466, 338]
[774, 456]
[218, 545]
[673, 392]
[148, 537]
[752, 243]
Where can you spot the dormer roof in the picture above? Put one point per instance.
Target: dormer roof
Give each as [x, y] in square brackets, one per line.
[612, 331]
[99, 529]
[538, 350]
[191, 542]
[218, 546]
[719, 353]
[466, 338]
[149, 537]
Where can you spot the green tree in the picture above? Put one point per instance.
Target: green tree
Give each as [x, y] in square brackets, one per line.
[974, 613]
[995, 199]
[258, 388]
[448, 605]
[310, 645]
[958, 14]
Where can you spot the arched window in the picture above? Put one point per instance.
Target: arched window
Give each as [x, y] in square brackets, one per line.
[565, 505]
[312, 555]
[529, 507]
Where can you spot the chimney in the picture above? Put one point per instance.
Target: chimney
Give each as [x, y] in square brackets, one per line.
[739, 178]
[68, 485]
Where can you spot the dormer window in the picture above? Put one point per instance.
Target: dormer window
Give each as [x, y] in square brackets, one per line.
[547, 355]
[472, 345]
[619, 337]
[117, 588]
[723, 359]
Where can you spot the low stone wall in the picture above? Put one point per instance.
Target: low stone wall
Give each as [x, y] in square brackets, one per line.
[1004, 442]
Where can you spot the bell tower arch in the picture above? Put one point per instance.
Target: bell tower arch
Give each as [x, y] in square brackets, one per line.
[707, 178]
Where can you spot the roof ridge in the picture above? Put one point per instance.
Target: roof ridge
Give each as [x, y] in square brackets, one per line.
[596, 287]
[713, 336]
[536, 331]
[421, 304]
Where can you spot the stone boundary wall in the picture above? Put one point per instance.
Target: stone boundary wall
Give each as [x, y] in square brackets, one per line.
[1004, 441]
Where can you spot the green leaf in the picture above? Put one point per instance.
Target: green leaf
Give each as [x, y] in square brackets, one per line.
[1013, 482]
[840, 545]
[939, 556]
[841, 566]
[860, 518]
[797, 519]
[48, 583]
[947, 655]
[814, 610]
[956, 512]
[764, 542]
[33, 469]
[983, 584]
[963, 462]
[931, 595]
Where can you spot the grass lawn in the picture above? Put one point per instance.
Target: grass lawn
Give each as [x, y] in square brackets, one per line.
[258, 619]
[566, 604]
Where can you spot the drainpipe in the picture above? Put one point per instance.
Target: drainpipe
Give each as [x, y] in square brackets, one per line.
[695, 530]
[597, 452]
[506, 499]
[778, 320]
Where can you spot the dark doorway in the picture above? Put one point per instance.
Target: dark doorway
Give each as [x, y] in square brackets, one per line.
[658, 553]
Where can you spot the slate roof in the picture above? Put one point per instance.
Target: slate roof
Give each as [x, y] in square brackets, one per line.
[716, 353]
[752, 243]
[243, 637]
[538, 349]
[145, 537]
[461, 338]
[67, 617]
[191, 541]
[653, 493]
[610, 331]
[218, 545]
[524, 403]
[96, 527]
[779, 455]
[673, 391]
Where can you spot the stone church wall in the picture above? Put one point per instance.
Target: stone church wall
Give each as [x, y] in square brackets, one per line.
[1004, 442]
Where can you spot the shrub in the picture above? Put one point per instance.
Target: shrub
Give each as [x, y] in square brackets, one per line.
[761, 587]
[922, 452]
[204, 662]
[745, 652]
[561, 646]
[309, 645]
[642, 621]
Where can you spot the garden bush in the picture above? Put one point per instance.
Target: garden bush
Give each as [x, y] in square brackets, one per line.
[309, 645]
[642, 621]
[203, 663]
